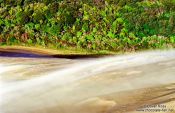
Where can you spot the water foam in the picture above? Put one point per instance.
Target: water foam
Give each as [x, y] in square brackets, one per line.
[59, 79]
[79, 70]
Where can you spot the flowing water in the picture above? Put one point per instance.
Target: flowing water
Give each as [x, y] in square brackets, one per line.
[133, 83]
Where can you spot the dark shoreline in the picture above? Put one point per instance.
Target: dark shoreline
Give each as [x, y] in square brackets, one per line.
[29, 54]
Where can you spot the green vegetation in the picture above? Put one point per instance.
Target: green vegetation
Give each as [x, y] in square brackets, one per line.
[93, 25]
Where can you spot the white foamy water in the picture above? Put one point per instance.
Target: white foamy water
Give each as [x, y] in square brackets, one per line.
[86, 79]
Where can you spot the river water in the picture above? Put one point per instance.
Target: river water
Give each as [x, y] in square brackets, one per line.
[130, 83]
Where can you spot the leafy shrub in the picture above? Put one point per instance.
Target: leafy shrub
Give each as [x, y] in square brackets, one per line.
[90, 24]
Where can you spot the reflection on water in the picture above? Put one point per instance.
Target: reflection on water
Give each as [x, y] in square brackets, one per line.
[22, 54]
[119, 84]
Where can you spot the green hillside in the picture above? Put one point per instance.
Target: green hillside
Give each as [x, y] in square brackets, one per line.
[93, 25]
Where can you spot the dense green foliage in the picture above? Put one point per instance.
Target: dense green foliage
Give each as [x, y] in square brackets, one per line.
[90, 24]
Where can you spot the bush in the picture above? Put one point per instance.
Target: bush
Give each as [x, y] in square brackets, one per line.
[91, 24]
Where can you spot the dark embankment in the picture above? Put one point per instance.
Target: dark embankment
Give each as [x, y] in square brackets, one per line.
[34, 53]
